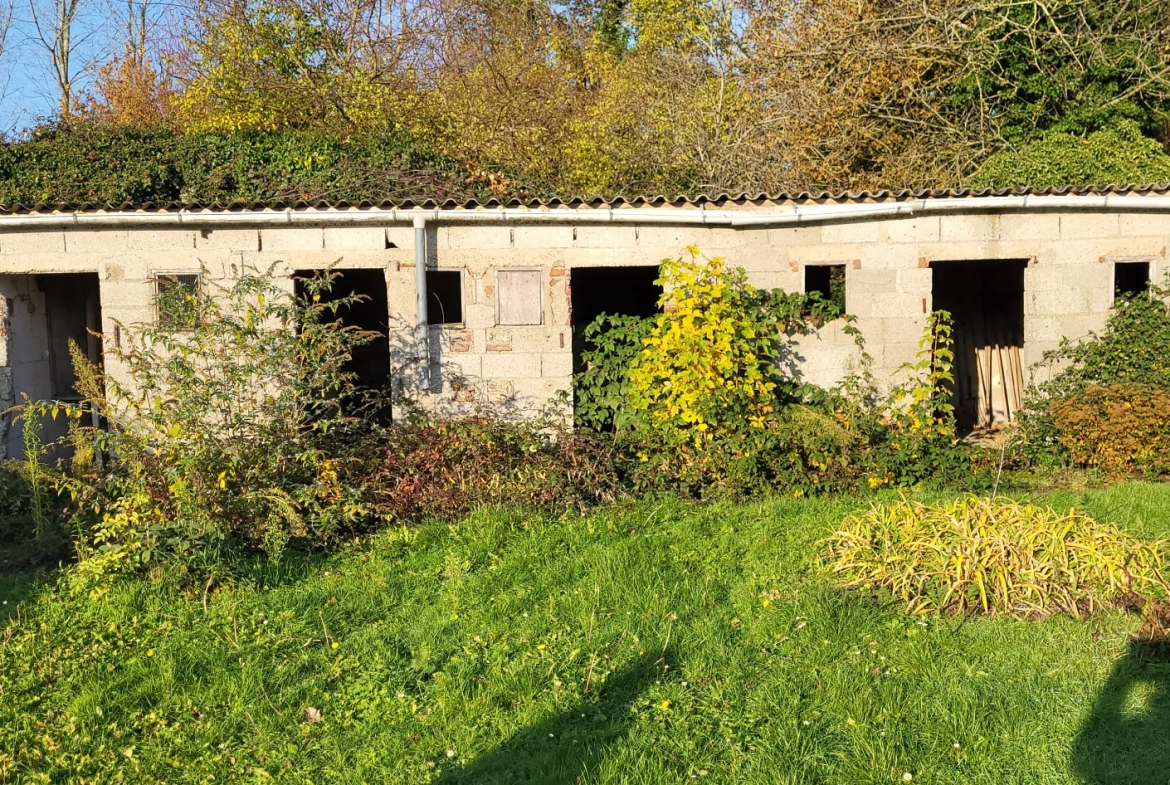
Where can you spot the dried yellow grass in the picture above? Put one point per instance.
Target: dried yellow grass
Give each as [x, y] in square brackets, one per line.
[994, 557]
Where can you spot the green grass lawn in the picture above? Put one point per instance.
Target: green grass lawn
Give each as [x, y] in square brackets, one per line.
[652, 643]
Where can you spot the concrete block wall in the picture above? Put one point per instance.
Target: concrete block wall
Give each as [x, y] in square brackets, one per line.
[479, 363]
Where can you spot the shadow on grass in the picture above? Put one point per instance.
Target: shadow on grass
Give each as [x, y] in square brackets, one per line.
[566, 748]
[1126, 738]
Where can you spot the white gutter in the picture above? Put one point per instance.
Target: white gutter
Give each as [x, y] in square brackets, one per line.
[579, 215]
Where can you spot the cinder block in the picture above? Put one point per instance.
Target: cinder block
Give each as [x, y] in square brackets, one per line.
[100, 241]
[556, 364]
[918, 280]
[32, 242]
[476, 236]
[1029, 226]
[1143, 224]
[228, 239]
[1043, 278]
[1087, 225]
[511, 365]
[673, 240]
[907, 329]
[786, 236]
[355, 238]
[871, 280]
[162, 240]
[1057, 302]
[464, 368]
[892, 356]
[607, 236]
[1064, 252]
[536, 393]
[864, 231]
[299, 239]
[400, 236]
[827, 253]
[898, 304]
[979, 227]
[887, 256]
[554, 236]
[1042, 328]
[913, 229]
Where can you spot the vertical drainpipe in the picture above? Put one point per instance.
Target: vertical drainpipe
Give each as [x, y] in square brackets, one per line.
[422, 330]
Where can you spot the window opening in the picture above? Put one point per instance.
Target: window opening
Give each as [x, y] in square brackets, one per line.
[1130, 279]
[444, 297]
[827, 280]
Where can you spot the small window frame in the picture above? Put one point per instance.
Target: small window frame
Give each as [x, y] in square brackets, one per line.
[843, 266]
[1118, 294]
[539, 293]
[158, 280]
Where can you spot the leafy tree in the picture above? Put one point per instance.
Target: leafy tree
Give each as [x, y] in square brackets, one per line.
[1073, 66]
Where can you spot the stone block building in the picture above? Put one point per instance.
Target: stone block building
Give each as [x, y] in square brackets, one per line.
[494, 296]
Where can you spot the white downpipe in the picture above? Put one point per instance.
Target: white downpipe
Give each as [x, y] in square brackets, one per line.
[422, 319]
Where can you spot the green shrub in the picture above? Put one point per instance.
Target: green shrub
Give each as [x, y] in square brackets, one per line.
[1117, 155]
[601, 390]
[231, 426]
[425, 470]
[994, 556]
[705, 403]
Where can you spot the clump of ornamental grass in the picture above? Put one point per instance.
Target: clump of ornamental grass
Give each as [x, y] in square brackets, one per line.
[977, 555]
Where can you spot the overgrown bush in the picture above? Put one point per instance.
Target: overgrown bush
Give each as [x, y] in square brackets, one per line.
[445, 470]
[232, 424]
[1119, 428]
[704, 406]
[83, 162]
[705, 401]
[1130, 352]
[994, 556]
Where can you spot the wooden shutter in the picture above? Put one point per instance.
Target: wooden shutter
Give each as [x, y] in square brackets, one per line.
[518, 297]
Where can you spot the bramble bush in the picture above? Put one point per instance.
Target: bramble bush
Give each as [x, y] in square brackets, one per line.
[426, 470]
[1105, 393]
[1119, 428]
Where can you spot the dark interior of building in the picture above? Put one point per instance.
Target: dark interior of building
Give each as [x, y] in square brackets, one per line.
[74, 311]
[986, 302]
[629, 291]
[370, 361]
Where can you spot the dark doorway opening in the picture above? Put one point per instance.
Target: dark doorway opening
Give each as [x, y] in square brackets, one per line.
[986, 302]
[370, 362]
[73, 313]
[627, 291]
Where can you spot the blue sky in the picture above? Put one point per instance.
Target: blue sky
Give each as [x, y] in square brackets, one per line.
[27, 89]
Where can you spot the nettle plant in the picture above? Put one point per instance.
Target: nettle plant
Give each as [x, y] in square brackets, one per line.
[229, 421]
